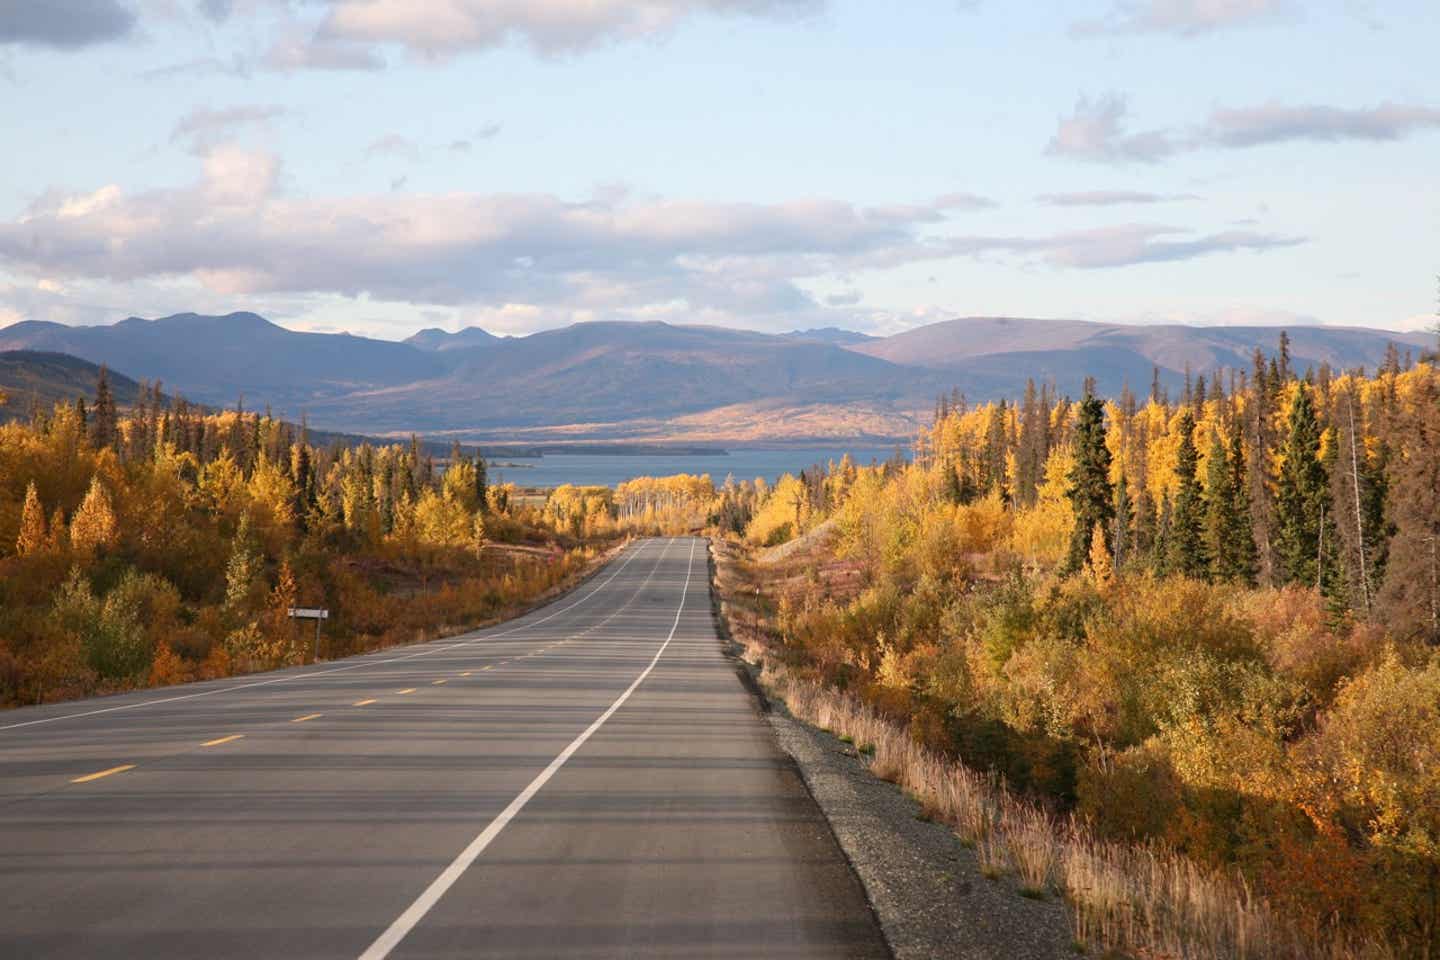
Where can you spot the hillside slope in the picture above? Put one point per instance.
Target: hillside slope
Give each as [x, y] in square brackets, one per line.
[216, 359]
[45, 379]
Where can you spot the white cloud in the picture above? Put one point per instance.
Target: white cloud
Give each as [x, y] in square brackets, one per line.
[442, 28]
[238, 177]
[236, 232]
[1095, 131]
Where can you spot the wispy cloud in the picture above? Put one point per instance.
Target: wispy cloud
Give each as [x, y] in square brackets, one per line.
[393, 145]
[1096, 131]
[1186, 17]
[1276, 123]
[298, 50]
[1125, 245]
[203, 124]
[963, 201]
[1109, 198]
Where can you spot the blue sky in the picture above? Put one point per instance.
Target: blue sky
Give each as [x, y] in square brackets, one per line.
[380, 166]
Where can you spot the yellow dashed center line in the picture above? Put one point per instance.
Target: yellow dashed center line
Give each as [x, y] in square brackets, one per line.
[308, 716]
[436, 683]
[363, 703]
[468, 672]
[406, 690]
[491, 667]
[103, 773]
[219, 740]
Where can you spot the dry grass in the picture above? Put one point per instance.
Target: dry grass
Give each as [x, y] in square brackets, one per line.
[1138, 900]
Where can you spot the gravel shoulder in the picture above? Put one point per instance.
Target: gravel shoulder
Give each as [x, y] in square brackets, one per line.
[926, 888]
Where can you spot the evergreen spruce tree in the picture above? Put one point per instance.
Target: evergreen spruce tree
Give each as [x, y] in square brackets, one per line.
[952, 483]
[1186, 540]
[1090, 494]
[1160, 552]
[103, 425]
[993, 465]
[1229, 539]
[1246, 551]
[1300, 495]
[1374, 509]
[1143, 530]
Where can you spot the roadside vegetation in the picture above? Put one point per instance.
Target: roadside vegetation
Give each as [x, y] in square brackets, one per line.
[167, 543]
[1173, 659]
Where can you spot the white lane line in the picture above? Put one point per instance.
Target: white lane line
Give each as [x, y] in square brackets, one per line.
[321, 673]
[406, 922]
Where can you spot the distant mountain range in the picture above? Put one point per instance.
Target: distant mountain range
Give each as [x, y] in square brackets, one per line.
[651, 381]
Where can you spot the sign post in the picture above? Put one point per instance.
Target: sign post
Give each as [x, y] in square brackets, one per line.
[311, 613]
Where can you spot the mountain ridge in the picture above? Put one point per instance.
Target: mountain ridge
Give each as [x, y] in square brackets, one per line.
[641, 379]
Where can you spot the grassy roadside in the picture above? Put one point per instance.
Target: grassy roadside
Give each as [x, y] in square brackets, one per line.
[1123, 899]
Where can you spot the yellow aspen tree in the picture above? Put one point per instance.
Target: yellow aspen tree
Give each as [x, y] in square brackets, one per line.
[32, 524]
[94, 525]
[58, 537]
[284, 646]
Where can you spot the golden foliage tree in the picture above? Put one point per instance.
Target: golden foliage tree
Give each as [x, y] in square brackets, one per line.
[94, 526]
[32, 538]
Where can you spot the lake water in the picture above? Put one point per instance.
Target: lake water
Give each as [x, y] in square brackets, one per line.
[610, 469]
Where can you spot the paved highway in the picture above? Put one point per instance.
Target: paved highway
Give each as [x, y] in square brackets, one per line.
[590, 780]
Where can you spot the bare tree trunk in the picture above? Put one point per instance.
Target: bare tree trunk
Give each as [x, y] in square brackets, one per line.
[1355, 488]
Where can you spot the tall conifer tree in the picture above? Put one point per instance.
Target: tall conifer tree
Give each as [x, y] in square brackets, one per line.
[1300, 495]
[1090, 494]
[1229, 538]
[1187, 545]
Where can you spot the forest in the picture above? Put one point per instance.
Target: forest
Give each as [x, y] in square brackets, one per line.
[1198, 637]
[163, 542]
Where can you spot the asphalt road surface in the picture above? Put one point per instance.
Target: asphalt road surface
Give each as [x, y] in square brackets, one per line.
[590, 780]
